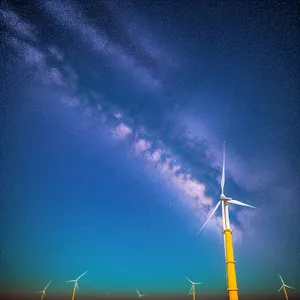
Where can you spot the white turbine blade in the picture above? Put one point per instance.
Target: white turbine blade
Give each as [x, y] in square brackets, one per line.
[223, 171]
[189, 280]
[190, 292]
[280, 289]
[281, 279]
[71, 281]
[81, 275]
[47, 285]
[239, 203]
[290, 287]
[77, 286]
[197, 283]
[218, 204]
[138, 292]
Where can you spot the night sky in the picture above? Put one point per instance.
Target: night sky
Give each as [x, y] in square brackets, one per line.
[113, 117]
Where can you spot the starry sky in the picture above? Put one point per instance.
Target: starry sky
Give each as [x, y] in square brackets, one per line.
[113, 119]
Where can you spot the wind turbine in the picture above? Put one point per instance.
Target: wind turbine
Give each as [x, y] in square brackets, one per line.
[193, 289]
[284, 287]
[229, 254]
[76, 284]
[140, 295]
[44, 290]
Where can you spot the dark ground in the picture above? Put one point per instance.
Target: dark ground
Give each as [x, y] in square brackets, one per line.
[33, 296]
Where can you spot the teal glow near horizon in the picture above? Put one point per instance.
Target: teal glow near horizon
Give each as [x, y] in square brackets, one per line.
[112, 125]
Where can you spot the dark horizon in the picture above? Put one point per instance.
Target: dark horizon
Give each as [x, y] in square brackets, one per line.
[64, 296]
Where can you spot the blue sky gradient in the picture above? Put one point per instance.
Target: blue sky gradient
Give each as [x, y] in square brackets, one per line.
[113, 117]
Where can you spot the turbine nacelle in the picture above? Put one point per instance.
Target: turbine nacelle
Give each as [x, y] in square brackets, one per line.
[224, 198]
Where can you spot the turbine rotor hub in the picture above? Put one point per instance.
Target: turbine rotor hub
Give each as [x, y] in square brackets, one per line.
[224, 198]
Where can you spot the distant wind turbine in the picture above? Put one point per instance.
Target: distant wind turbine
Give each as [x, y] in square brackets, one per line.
[284, 286]
[229, 254]
[139, 294]
[44, 290]
[76, 284]
[193, 288]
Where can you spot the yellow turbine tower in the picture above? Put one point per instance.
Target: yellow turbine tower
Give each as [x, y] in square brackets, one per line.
[284, 286]
[43, 292]
[193, 288]
[232, 287]
[76, 284]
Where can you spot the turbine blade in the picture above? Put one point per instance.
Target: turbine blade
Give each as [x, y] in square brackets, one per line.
[223, 171]
[239, 203]
[81, 275]
[281, 279]
[71, 281]
[290, 287]
[189, 280]
[47, 285]
[197, 283]
[218, 204]
[280, 289]
[190, 292]
[77, 286]
[137, 292]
